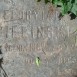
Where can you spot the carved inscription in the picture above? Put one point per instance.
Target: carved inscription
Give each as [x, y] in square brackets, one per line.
[22, 32]
[65, 60]
[25, 15]
[39, 46]
[12, 15]
[29, 31]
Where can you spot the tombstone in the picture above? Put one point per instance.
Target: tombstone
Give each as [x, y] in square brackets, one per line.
[34, 42]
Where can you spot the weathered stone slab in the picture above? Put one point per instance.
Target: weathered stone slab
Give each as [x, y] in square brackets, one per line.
[29, 30]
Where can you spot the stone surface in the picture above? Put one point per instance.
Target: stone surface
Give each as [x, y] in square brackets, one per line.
[29, 30]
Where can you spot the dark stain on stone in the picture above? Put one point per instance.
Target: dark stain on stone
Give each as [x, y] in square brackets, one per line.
[74, 76]
[0, 50]
[73, 16]
[60, 16]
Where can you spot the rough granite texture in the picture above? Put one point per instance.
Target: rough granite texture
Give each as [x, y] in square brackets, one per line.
[29, 30]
